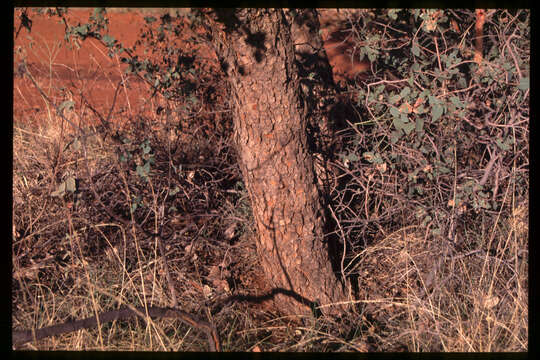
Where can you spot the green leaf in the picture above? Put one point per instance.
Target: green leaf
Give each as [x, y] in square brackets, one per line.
[98, 13]
[433, 100]
[483, 194]
[81, 30]
[394, 99]
[368, 155]
[462, 82]
[436, 112]
[524, 83]
[378, 159]
[395, 112]
[398, 124]
[66, 104]
[76, 145]
[393, 13]
[372, 54]
[395, 136]
[415, 49]
[149, 19]
[193, 99]
[144, 170]
[457, 102]
[135, 204]
[372, 158]
[426, 220]
[60, 191]
[351, 157]
[421, 110]
[501, 145]
[406, 91]
[140, 171]
[504, 145]
[404, 118]
[146, 149]
[408, 127]
[419, 126]
[108, 40]
[443, 169]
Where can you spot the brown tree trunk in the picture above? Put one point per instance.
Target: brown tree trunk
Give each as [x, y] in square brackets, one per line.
[257, 53]
[318, 91]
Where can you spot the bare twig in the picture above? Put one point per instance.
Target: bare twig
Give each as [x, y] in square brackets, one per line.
[489, 166]
[435, 40]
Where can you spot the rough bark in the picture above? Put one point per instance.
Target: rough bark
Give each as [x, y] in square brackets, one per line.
[318, 90]
[257, 53]
[316, 79]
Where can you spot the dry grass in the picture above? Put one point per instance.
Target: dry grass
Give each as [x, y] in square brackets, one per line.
[418, 290]
[432, 299]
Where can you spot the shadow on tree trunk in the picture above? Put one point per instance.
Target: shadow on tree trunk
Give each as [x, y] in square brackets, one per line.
[327, 115]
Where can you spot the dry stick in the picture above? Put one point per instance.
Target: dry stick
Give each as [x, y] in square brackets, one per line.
[215, 344]
[22, 336]
[159, 238]
[487, 170]
[104, 122]
[438, 55]
[60, 113]
[344, 243]
[174, 301]
[509, 47]
[479, 27]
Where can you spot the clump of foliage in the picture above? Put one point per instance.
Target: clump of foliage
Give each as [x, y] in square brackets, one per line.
[442, 144]
[452, 134]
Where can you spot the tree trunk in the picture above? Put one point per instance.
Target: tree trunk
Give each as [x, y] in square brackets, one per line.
[257, 53]
[318, 92]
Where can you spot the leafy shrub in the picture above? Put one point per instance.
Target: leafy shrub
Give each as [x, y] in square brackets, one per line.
[441, 136]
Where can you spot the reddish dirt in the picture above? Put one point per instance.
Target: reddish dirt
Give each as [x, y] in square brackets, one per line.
[63, 72]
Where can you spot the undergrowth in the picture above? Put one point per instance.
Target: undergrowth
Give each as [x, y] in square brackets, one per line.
[430, 196]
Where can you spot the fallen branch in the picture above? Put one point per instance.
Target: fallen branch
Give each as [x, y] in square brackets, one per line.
[20, 337]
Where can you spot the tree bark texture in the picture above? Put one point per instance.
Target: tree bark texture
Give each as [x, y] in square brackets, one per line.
[316, 79]
[257, 53]
[318, 91]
